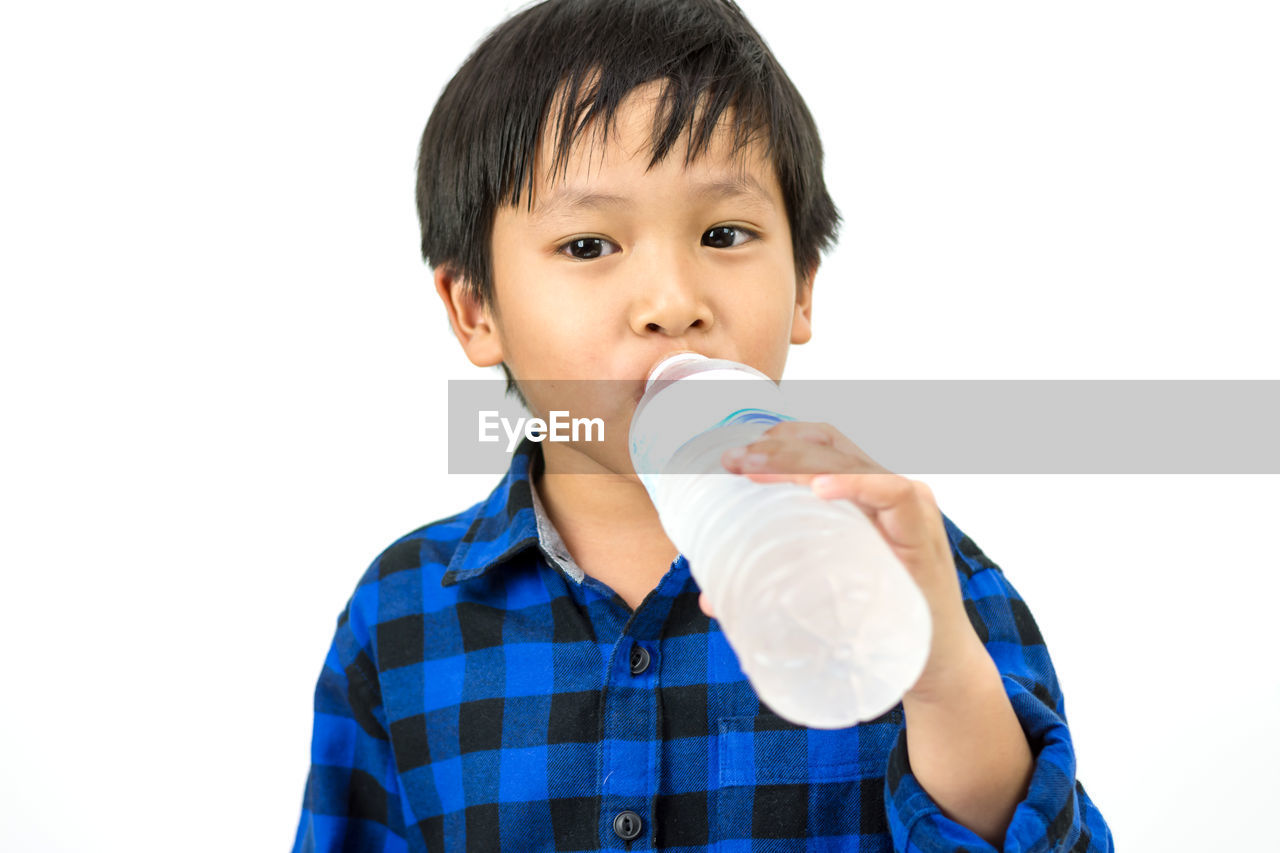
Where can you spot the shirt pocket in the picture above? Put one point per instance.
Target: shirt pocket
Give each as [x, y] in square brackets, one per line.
[764, 749]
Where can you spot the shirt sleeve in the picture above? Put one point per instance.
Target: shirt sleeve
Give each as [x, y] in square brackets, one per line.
[1057, 815]
[352, 799]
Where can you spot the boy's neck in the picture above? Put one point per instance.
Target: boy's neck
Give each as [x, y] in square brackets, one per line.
[607, 522]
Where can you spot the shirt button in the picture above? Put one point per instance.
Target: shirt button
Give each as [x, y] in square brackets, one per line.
[639, 659]
[627, 825]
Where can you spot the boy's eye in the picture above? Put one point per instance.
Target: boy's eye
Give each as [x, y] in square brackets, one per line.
[726, 237]
[588, 248]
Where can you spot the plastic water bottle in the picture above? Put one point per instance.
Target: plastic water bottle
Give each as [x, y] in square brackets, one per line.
[828, 626]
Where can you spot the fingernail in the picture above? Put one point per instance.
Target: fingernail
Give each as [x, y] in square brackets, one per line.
[754, 460]
[823, 485]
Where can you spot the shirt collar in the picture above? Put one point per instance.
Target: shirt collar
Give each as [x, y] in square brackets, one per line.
[510, 520]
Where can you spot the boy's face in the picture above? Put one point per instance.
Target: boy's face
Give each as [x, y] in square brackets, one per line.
[616, 267]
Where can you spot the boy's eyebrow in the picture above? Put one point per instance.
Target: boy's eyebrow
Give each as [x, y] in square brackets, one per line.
[572, 199]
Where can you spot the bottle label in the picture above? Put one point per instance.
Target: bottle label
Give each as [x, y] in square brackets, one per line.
[752, 416]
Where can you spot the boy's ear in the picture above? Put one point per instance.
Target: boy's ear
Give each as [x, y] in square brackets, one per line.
[473, 325]
[802, 320]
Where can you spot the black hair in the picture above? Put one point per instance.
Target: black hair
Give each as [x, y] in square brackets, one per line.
[580, 59]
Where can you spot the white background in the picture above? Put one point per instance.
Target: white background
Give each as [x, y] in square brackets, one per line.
[224, 366]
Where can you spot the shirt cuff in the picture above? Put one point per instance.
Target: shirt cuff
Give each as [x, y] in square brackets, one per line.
[1047, 820]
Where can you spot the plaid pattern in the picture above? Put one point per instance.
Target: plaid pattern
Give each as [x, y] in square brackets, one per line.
[478, 697]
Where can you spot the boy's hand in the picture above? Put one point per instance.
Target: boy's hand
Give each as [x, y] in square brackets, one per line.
[902, 510]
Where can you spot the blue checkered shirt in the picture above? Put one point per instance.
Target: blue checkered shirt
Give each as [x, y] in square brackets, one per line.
[483, 694]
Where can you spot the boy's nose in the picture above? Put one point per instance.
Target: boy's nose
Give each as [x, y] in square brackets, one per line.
[670, 302]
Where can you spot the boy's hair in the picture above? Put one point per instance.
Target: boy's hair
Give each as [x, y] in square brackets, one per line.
[573, 62]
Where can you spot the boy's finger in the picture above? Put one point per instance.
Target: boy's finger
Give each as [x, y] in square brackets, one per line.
[776, 456]
[872, 490]
[765, 468]
[777, 477]
[822, 433]
[899, 503]
[806, 431]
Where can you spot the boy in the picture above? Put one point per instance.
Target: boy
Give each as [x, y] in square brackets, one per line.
[603, 183]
